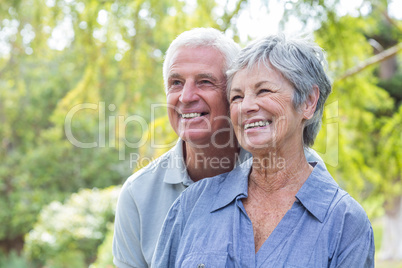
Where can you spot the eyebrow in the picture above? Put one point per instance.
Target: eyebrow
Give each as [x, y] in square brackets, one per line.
[198, 76]
[174, 75]
[235, 89]
[207, 75]
[264, 82]
[257, 85]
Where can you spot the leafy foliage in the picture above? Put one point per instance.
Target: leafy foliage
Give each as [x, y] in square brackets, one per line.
[99, 65]
[363, 110]
[13, 260]
[105, 256]
[67, 234]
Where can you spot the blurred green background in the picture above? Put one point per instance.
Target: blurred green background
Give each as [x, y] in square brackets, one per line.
[81, 94]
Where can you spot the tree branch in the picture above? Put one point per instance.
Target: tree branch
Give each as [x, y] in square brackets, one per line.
[228, 16]
[384, 55]
[391, 21]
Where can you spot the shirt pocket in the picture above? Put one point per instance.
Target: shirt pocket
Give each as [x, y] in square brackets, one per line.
[205, 260]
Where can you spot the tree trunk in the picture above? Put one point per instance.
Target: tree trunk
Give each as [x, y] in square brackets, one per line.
[14, 244]
[388, 68]
[391, 245]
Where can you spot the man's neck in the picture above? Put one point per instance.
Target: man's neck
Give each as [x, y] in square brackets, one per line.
[209, 161]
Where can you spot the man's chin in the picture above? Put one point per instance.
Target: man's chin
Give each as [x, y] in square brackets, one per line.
[197, 139]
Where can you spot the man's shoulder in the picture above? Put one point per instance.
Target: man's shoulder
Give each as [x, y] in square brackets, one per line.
[148, 176]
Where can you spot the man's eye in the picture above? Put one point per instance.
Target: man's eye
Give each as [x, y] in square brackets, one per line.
[205, 82]
[176, 83]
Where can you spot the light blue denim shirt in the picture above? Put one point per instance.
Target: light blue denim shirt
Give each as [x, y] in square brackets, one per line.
[145, 200]
[207, 226]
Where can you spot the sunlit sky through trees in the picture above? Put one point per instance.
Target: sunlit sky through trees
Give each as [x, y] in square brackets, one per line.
[258, 19]
[255, 20]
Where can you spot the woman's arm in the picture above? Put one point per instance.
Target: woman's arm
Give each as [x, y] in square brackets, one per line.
[355, 247]
[169, 238]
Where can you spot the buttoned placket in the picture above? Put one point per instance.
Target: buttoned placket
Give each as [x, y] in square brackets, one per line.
[245, 242]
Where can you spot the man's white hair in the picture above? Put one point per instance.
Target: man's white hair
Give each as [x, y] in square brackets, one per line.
[202, 37]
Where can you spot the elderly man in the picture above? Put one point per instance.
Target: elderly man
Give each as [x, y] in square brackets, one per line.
[194, 73]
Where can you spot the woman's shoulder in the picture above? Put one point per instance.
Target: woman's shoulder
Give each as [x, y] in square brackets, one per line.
[351, 210]
[341, 205]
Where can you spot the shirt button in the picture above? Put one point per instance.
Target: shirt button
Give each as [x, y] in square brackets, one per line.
[201, 265]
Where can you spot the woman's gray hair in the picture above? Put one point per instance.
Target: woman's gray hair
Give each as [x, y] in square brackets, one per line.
[300, 61]
[202, 37]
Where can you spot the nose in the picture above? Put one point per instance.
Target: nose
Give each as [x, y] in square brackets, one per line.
[249, 104]
[189, 93]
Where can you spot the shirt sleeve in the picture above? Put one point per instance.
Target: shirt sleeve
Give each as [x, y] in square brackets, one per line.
[169, 238]
[127, 250]
[356, 245]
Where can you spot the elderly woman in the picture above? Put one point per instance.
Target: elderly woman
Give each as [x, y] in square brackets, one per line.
[277, 209]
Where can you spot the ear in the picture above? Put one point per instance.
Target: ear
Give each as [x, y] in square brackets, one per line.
[311, 103]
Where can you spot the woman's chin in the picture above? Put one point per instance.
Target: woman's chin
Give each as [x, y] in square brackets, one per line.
[253, 145]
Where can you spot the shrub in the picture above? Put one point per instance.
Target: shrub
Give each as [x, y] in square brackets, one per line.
[12, 260]
[105, 256]
[68, 235]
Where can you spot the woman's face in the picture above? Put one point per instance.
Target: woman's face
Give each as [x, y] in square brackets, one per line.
[262, 111]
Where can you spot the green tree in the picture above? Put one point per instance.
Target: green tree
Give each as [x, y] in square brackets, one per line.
[99, 63]
[77, 82]
[368, 100]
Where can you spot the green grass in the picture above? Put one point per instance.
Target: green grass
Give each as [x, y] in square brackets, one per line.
[378, 229]
[388, 264]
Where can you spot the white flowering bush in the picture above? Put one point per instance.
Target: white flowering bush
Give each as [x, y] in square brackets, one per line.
[68, 235]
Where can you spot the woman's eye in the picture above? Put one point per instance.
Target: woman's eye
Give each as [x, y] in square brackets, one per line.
[235, 98]
[264, 90]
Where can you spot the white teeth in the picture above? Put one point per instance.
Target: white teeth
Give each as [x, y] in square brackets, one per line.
[256, 124]
[191, 115]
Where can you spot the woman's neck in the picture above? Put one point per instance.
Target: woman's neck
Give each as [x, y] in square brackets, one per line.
[278, 170]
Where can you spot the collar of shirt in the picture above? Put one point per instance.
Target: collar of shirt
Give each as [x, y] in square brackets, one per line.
[233, 185]
[177, 166]
[315, 195]
[318, 191]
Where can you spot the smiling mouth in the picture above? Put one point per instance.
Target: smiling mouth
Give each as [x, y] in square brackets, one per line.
[257, 124]
[192, 115]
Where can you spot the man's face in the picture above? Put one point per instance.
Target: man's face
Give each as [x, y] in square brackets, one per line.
[197, 106]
